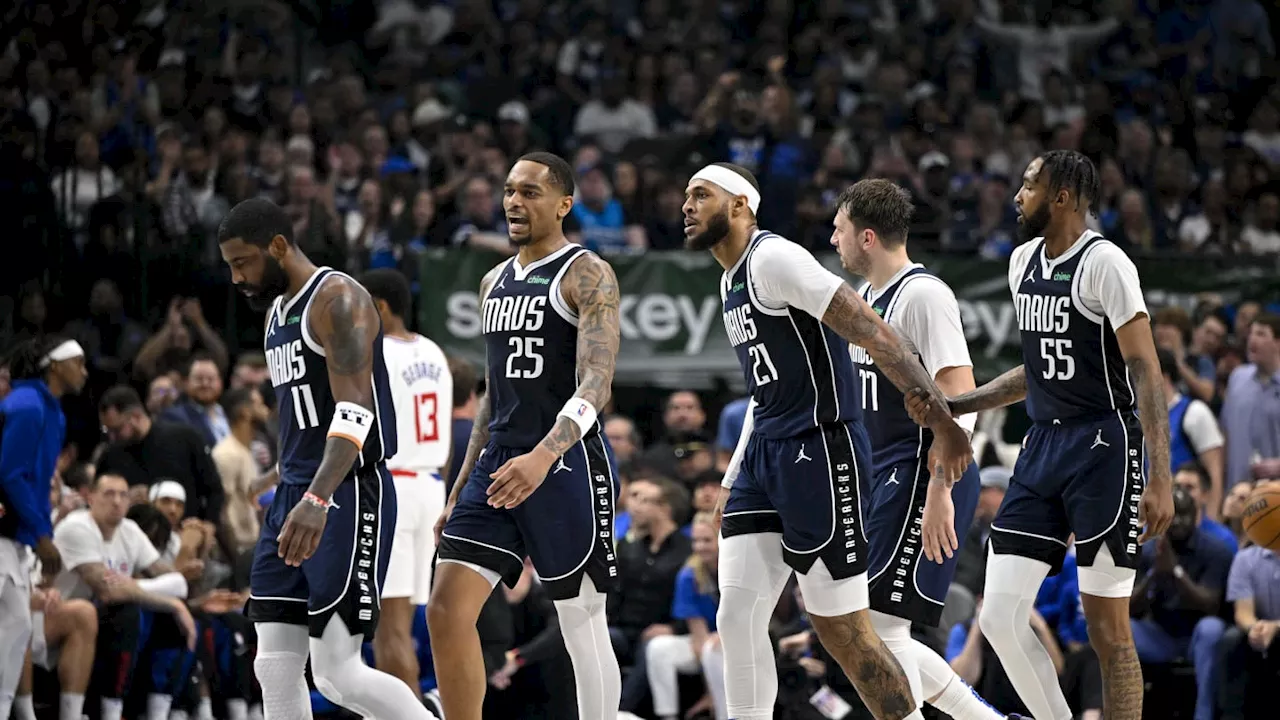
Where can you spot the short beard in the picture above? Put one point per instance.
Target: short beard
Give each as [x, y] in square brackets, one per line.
[1034, 225]
[275, 282]
[717, 230]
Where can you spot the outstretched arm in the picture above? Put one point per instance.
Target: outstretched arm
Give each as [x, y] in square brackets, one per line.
[1009, 388]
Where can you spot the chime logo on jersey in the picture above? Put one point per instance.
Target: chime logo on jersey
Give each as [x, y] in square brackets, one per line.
[286, 363]
[514, 313]
[1050, 314]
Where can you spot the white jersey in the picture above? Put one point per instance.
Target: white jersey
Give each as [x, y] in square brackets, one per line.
[423, 391]
[79, 540]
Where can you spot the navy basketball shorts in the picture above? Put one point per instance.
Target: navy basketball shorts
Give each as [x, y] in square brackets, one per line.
[1085, 477]
[565, 527]
[344, 577]
[903, 582]
[812, 488]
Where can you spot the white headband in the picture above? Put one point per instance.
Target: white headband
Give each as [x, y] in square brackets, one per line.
[65, 351]
[731, 182]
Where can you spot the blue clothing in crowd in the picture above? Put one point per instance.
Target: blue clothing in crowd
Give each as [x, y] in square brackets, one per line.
[34, 430]
[690, 602]
[732, 419]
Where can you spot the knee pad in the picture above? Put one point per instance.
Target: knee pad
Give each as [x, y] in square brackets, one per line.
[1000, 617]
[1104, 579]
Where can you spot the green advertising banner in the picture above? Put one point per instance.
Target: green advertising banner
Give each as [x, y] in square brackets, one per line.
[673, 336]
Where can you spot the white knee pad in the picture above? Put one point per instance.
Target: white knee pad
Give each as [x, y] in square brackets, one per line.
[1104, 579]
[825, 596]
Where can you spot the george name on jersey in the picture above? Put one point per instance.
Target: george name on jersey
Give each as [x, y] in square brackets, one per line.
[739, 325]
[421, 371]
[1045, 314]
[286, 363]
[514, 313]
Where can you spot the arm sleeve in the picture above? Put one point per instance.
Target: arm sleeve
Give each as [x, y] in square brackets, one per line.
[77, 544]
[927, 314]
[735, 462]
[785, 274]
[1109, 285]
[1201, 427]
[170, 584]
[18, 449]
[1239, 586]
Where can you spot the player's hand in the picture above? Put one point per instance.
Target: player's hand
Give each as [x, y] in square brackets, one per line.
[1262, 634]
[518, 477]
[950, 454]
[718, 514]
[939, 528]
[50, 558]
[1155, 512]
[301, 533]
[919, 405]
[444, 518]
[185, 622]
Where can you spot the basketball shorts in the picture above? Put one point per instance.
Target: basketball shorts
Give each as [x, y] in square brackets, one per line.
[565, 527]
[811, 488]
[1086, 478]
[345, 575]
[419, 501]
[903, 582]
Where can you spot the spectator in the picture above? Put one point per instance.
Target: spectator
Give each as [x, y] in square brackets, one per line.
[1194, 480]
[80, 187]
[170, 348]
[240, 473]
[1261, 234]
[1182, 578]
[1194, 436]
[1195, 373]
[1252, 650]
[465, 384]
[649, 559]
[728, 430]
[162, 394]
[623, 438]
[612, 119]
[1233, 508]
[1251, 406]
[110, 338]
[479, 222]
[696, 600]
[144, 453]
[200, 409]
[109, 560]
[598, 220]
[536, 678]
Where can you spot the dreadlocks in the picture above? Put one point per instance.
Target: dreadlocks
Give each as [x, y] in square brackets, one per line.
[24, 361]
[1072, 171]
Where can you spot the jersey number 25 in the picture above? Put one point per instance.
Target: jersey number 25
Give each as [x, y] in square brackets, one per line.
[524, 362]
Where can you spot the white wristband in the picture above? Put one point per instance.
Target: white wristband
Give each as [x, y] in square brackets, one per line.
[581, 412]
[351, 422]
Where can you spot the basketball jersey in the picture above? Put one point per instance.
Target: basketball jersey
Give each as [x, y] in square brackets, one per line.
[423, 391]
[305, 402]
[1071, 357]
[797, 369]
[531, 344]
[895, 437]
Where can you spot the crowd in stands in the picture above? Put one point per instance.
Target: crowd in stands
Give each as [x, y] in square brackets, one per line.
[129, 128]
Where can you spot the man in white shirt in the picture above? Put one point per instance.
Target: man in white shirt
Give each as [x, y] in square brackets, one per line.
[109, 559]
[423, 391]
[1194, 435]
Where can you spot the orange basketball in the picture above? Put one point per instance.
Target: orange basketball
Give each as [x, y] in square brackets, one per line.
[1262, 516]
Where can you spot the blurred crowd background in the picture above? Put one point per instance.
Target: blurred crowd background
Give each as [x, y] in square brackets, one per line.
[386, 127]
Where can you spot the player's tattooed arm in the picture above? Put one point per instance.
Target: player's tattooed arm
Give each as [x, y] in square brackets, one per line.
[346, 326]
[484, 410]
[590, 287]
[1007, 389]
[854, 320]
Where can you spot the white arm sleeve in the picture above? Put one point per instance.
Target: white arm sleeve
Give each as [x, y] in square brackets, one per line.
[78, 544]
[785, 274]
[170, 584]
[1109, 285]
[1201, 427]
[925, 312]
[735, 461]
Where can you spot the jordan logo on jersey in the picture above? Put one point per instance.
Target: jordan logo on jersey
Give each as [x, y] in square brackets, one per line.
[893, 477]
[1099, 442]
[561, 466]
[286, 363]
[802, 456]
[1031, 275]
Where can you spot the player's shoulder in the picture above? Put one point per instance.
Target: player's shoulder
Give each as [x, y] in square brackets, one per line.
[771, 251]
[925, 288]
[1103, 251]
[1021, 255]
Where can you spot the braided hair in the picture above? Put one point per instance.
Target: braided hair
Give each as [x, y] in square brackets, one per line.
[24, 360]
[1074, 172]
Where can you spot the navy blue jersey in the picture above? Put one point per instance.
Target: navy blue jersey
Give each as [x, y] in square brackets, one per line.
[531, 341]
[300, 377]
[895, 437]
[797, 369]
[1071, 357]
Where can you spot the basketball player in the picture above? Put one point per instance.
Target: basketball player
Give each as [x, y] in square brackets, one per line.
[914, 521]
[423, 392]
[538, 477]
[1089, 362]
[322, 556]
[803, 454]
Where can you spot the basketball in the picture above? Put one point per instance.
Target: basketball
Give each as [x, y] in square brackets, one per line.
[1262, 516]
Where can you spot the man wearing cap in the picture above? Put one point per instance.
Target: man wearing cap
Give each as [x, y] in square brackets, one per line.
[795, 483]
[42, 371]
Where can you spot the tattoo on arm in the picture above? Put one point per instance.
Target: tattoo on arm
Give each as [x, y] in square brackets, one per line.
[1007, 389]
[854, 320]
[484, 410]
[1153, 411]
[346, 326]
[592, 287]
